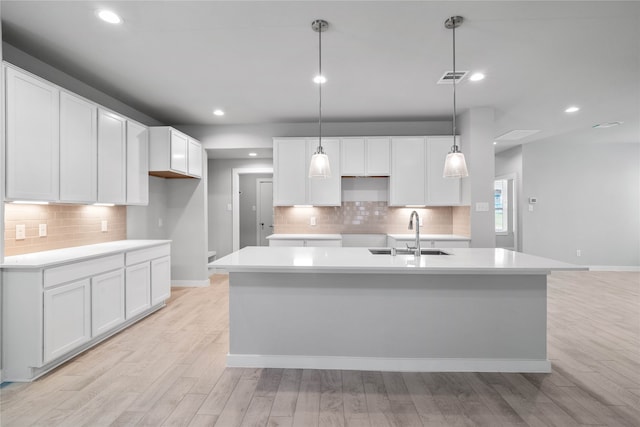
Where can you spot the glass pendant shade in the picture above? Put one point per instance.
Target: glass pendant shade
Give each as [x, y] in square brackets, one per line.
[455, 166]
[319, 166]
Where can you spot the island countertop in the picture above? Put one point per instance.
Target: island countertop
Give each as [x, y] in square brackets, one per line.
[360, 260]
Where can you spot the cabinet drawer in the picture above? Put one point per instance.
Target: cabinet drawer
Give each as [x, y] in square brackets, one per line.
[67, 273]
[147, 254]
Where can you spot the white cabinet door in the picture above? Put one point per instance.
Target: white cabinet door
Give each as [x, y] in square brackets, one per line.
[325, 191]
[78, 150]
[160, 280]
[352, 157]
[408, 176]
[138, 289]
[137, 164]
[378, 153]
[107, 302]
[440, 191]
[32, 138]
[290, 171]
[195, 158]
[67, 318]
[112, 149]
[323, 243]
[179, 152]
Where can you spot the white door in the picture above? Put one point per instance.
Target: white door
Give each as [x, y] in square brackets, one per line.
[138, 289]
[137, 164]
[160, 280]
[107, 301]
[265, 210]
[112, 158]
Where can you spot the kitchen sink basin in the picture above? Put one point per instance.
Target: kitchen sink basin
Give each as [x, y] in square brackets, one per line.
[404, 251]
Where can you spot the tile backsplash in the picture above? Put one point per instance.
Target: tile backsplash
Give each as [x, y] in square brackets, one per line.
[67, 226]
[370, 218]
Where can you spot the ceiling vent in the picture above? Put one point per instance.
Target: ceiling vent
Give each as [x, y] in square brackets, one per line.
[517, 134]
[448, 77]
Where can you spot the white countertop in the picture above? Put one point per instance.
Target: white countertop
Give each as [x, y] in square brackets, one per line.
[429, 237]
[78, 253]
[360, 260]
[318, 236]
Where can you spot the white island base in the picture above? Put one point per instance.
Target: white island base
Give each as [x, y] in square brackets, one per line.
[408, 322]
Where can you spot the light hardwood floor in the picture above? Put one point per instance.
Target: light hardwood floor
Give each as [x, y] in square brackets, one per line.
[170, 370]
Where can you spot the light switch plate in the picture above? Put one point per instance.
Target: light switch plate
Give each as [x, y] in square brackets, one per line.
[21, 232]
[104, 226]
[482, 207]
[312, 220]
[42, 230]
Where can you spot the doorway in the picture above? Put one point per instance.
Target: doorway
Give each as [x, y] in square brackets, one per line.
[264, 214]
[506, 211]
[245, 208]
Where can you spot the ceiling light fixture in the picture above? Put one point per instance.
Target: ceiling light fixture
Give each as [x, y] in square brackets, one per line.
[109, 16]
[218, 112]
[320, 79]
[319, 166]
[455, 165]
[253, 154]
[476, 77]
[572, 109]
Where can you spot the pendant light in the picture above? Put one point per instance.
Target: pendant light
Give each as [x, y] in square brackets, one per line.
[454, 165]
[319, 166]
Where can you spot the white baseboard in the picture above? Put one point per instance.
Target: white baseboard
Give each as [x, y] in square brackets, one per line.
[190, 283]
[388, 364]
[1, 377]
[614, 268]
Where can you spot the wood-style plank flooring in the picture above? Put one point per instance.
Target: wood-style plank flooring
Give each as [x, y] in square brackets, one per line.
[169, 370]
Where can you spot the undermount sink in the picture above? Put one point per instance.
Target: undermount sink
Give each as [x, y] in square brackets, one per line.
[404, 251]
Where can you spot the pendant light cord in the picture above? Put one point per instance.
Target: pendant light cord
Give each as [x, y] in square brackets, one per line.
[455, 77]
[320, 88]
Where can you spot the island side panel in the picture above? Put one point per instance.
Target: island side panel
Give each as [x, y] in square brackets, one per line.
[430, 317]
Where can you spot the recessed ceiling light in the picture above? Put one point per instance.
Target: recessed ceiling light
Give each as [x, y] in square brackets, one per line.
[476, 77]
[319, 79]
[572, 109]
[253, 154]
[606, 125]
[109, 16]
[218, 112]
[495, 142]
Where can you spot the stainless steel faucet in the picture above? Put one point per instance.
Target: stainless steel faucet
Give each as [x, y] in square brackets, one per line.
[416, 248]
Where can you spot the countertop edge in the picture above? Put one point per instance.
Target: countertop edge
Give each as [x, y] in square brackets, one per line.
[399, 270]
[126, 247]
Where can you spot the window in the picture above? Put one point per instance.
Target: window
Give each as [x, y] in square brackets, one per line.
[501, 205]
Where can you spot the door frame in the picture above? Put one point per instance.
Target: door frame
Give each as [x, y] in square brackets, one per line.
[235, 198]
[514, 204]
[259, 205]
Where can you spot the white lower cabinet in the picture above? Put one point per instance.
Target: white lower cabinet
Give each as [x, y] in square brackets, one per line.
[52, 313]
[306, 242]
[138, 289]
[160, 280]
[107, 302]
[67, 318]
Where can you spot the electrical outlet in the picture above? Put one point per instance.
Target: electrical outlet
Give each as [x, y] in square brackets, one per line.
[104, 226]
[578, 252]
[42, 230]
[312, 220]
[159, 222]
[21, 232]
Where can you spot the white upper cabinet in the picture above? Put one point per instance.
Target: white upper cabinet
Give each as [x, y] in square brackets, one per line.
[407, 184]
[194, 168]
[369, 156]
[112, 151]
[78, 150]
[173, 154]
[440, 190]
[290, 172]
[324, 191]
[291, 182]
[137, 164]
[32, 137]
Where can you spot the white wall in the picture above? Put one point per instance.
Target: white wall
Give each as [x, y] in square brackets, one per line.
[148, 222]
[510, 162]
[588, 199]
[219, 196]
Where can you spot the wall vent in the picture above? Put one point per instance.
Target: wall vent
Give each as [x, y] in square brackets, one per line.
[448, 77]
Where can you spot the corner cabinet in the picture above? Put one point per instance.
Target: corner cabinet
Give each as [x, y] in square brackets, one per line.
[291, 183]
[54, 312]
[32, 137]
[416, 172]
[173, 154]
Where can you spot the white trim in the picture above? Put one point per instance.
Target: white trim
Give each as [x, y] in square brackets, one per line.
[614, 268]
[394, 364]
[514, 205]
[259, 209]
[1, 377]
[190, 283]
[235, 199]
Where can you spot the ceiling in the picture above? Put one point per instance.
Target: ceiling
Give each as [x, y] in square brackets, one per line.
[177, 61]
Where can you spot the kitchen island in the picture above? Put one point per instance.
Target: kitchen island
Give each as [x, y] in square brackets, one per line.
[482, 310]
